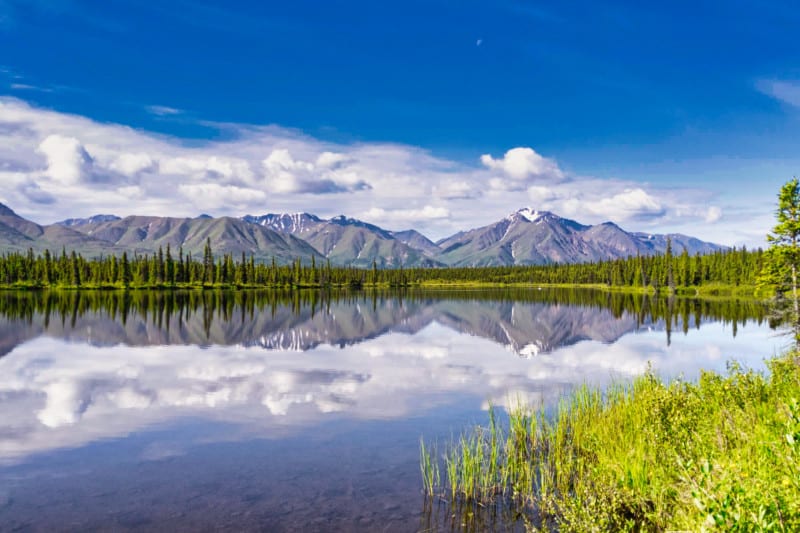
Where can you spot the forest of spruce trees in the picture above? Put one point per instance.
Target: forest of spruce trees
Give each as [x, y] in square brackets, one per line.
[164, 269]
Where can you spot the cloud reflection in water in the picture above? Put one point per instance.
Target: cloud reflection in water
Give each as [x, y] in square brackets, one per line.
[69, 385]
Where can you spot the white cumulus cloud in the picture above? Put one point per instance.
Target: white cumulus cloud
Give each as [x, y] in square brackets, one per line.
[67, 160]
[713, 214]
[630, 203]
[285, 174]
[214, 195]
[524, 163]
[132, 164]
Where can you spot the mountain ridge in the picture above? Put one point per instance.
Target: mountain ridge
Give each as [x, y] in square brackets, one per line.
[228, 235]
[346, 240]
[524, 237]
[531, 237]
[72, 222]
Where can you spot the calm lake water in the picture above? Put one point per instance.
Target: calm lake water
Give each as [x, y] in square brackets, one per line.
[302, 411]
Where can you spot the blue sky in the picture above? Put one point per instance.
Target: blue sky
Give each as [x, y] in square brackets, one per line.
[697, 100]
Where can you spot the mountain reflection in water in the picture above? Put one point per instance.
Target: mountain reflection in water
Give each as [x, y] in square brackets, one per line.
[527, 322]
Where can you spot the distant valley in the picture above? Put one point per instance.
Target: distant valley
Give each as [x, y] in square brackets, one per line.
[524, 237]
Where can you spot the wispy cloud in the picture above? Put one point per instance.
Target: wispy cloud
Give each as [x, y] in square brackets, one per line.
[94, 167]
[29, 87]
[787, 91]
[17, 82]
[162, 110]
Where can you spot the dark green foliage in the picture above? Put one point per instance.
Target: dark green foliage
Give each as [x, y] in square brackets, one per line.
[732, 268]
[125, 271]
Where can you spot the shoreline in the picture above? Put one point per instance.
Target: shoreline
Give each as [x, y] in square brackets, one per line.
[702, 291]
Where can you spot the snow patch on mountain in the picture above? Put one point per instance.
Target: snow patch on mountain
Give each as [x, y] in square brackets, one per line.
[73, 222]
[285, 222]
[530, 214]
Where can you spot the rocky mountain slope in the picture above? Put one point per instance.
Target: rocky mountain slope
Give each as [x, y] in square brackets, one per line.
[73, 222]
[524, 237]
[529, 237]
[349, 241]
[227, 235]
[20, 234]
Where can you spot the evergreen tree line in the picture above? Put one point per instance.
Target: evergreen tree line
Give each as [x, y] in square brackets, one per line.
[732, 267]
[165, 269]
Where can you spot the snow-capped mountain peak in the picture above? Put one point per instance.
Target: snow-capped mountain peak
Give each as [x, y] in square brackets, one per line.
[529, 214]
[284, 222]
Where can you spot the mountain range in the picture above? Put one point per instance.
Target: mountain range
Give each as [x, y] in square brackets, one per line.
[524, 237]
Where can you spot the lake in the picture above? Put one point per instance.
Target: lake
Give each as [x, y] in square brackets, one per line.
[303, 411]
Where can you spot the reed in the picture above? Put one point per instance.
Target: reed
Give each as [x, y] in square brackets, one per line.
[429, 467]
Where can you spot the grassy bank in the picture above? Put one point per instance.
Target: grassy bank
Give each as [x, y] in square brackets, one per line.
[719, 454]
[711, 290]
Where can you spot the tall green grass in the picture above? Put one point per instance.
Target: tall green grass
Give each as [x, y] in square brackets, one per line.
[722, 453]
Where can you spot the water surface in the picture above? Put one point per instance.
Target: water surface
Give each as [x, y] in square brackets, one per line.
[301, 411]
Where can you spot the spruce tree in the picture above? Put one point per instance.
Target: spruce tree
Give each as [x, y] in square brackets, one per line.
[170, 267]
[668, 261]
[75, 270]
[160, 266]
[208, 262]
[783, 254]
[125, 270]
[48, 268]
